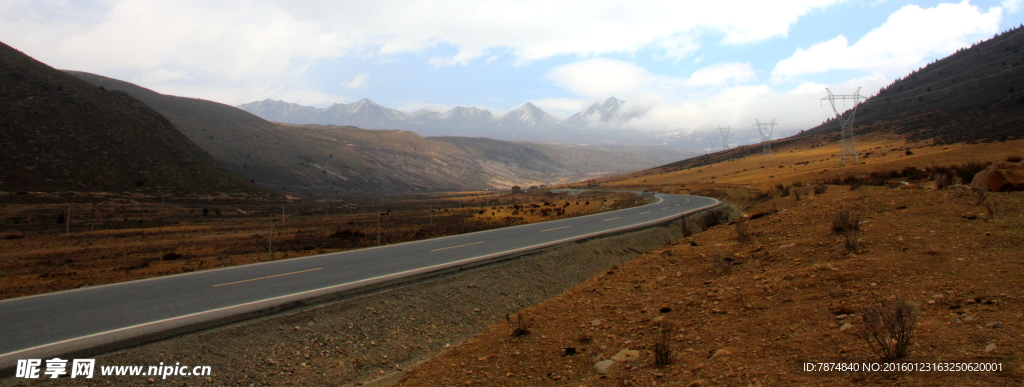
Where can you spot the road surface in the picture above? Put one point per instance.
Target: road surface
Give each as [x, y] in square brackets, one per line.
[59, 323]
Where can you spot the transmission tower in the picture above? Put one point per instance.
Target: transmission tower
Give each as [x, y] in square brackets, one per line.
[846, 142]
[725, 136]
[766, 129]
[713, 141]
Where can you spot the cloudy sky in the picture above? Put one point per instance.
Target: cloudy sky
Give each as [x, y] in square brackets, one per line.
[693, 65]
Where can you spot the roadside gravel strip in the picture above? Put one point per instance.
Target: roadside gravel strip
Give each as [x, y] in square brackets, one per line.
[229, 310]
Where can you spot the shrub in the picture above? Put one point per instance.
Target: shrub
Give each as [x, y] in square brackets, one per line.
[851, 239]
[743, 234]
[662, 347]
[845, 221]
[520, 325]
[711, 219]
[1014, 159]
[820, 189]
[889, 328]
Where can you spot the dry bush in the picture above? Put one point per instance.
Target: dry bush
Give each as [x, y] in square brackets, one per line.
[743, 234]
[520, 325]
[722, 265]
[1014, 159]
[845, 221]
[851, 239]
[889, 328]
[711, 219]
[820, 189]
[662, 347]
[979, 197]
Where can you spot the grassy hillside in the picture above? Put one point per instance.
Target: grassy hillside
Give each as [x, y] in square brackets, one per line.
[60, 133]
[324, 160]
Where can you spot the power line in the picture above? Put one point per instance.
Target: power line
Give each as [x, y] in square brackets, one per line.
[846, 141]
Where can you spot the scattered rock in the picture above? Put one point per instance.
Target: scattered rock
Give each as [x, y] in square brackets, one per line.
[696, 383]
[626, 355]
[722, 352]
[595, 323]
[603, 366]
[845, 326]
[990, 347]
[995, 325]
[1000, 177]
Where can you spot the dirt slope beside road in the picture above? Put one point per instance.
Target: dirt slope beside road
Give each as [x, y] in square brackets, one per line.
[749, 313]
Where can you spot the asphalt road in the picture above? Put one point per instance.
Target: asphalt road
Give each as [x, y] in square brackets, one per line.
[56, 323]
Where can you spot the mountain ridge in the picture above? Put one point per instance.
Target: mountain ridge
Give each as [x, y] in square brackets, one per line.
[62, 134]
[526, 122]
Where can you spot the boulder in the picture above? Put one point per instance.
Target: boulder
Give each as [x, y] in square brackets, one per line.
[1000, 177]
[603, 366]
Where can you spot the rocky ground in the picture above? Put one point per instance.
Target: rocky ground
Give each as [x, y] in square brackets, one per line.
[750, 313]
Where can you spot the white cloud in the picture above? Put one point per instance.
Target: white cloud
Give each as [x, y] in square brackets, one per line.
[910, 36]
[356, 83]
[161, 75]
[1012, 6]
[257, 38]
[722, 73]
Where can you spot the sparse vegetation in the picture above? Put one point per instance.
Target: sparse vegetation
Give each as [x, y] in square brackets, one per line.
[889, 328]
[820, 189]
[663, 345]
[743, 234]
[519, 325]
[844, 221]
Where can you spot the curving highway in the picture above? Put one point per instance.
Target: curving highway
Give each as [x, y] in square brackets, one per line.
[63, 322]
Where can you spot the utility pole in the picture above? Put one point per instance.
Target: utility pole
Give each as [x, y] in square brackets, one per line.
[270, 248]
[765, 129]
[378, 227]
[431, 207]
[68, 232]
[725, 136]
[846, 142]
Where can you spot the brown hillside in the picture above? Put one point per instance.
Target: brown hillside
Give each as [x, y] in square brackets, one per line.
[60, 133]
[325, 160]
[974, 95]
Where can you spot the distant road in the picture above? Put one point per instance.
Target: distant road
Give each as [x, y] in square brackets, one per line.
[46, 325]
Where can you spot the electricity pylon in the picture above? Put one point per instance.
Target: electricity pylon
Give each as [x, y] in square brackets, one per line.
[846, 142]
[766, 129]
[725, 136]
[712, 141]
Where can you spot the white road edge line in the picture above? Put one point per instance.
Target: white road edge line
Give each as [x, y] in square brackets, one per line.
[366, 281]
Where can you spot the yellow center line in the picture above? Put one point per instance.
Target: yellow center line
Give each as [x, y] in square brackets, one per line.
[272, 276]
[550, 229]
[644, 212]
[611, 219]
[452, 247]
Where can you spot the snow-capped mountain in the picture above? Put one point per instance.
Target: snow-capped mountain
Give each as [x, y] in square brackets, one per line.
[528, 115]
[525, 123]
[598, 112]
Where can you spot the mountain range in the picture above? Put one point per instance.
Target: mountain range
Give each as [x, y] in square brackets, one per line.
[525, 123]
[329, 160]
